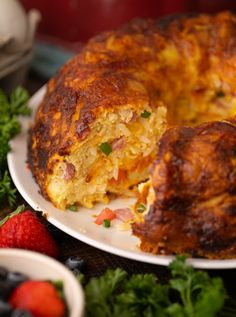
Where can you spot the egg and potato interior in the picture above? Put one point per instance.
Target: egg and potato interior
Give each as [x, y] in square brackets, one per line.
[113, 158]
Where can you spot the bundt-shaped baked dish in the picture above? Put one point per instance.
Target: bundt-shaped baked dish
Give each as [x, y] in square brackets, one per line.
[96, 131]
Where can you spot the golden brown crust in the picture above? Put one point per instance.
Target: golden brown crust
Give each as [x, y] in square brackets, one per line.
[194, 178]
[186, 62]
[94, 80]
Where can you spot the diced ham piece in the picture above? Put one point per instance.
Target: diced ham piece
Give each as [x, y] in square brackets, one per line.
[69, 171]
[124, 214]
[118, 143]
[134, 117]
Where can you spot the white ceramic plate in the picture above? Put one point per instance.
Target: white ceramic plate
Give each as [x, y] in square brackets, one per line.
[81, 224]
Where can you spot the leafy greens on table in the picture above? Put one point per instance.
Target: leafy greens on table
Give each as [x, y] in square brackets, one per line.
[189, 293]
[10, 108]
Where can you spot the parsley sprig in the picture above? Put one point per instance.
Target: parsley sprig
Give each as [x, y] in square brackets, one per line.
[10, 108]
[200, 295]
[101, 293]
[189, 293]
[7, 190]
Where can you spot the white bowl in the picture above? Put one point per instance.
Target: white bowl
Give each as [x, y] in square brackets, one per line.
[42, 267]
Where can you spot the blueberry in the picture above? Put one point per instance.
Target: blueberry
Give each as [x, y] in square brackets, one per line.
[3, 273]
[5, 309]
[75, 262]
[16, 278]
[5, 289]
[19, 312]
[10, 283]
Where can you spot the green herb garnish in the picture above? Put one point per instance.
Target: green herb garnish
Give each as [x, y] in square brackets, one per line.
[106, 223]
[145, 114]
[6, 189]
[19, 102]
[141, 208]
[105, 148]
[101, 293]
[189, 293]
[200, 295]
[220, 94]
[10, 108]
[73, 208]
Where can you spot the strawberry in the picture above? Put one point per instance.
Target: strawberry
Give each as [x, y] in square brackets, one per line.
[38, 297]
[23, 229]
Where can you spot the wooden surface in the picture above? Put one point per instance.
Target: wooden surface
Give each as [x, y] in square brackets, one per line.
[99, 261]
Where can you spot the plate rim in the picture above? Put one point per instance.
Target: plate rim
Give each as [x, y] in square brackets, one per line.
[140, 256]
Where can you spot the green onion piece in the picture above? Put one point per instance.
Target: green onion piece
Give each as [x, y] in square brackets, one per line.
[141, 208]
[145, 114]
[73, 208]
[106, 223]
[106, 148]
[220, 94]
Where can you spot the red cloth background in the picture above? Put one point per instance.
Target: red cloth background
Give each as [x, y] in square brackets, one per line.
[77, 20]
